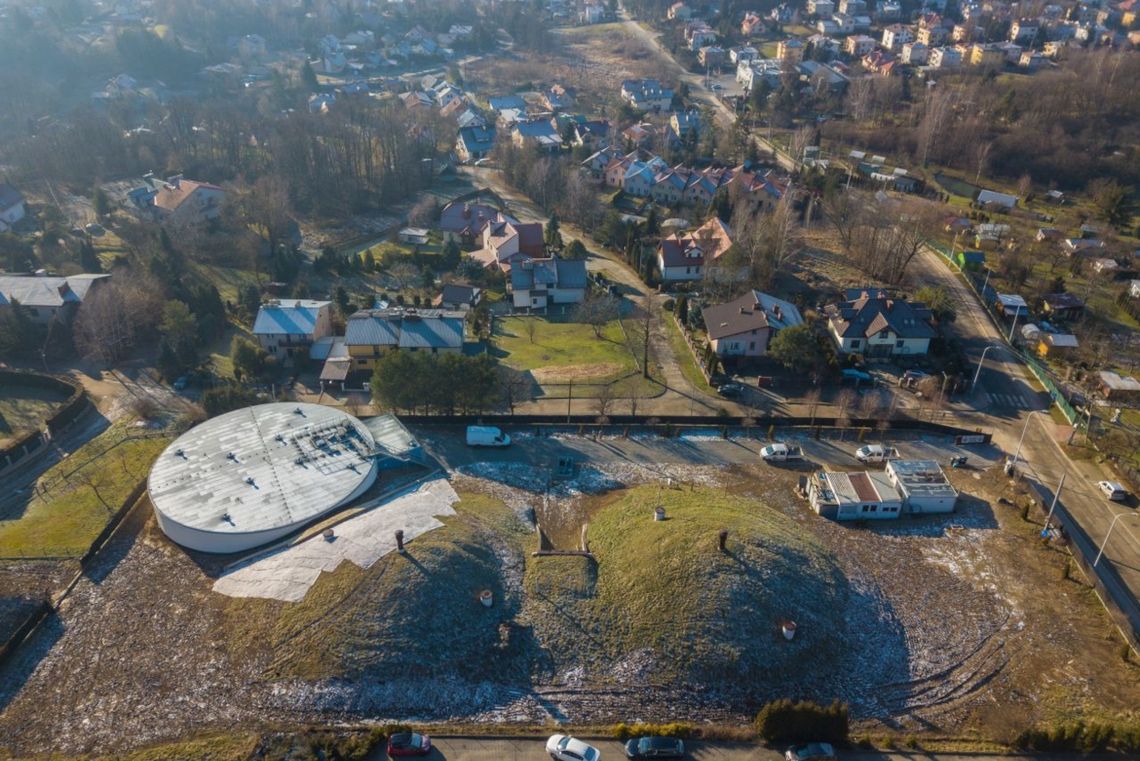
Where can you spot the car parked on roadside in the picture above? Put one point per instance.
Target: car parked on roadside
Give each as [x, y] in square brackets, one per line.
[567, 748]
[655, 747]
[729, 389]
[1112, 490]
[810, 752]
[408, 744]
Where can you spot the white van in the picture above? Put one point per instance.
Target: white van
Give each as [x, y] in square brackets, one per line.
[486, 436]
[1113, 490]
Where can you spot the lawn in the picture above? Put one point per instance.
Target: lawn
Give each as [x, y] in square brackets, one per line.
[229, 280]
[24, 408]
[82, 493]
[661, 591]
[684, 356]
[563, 351]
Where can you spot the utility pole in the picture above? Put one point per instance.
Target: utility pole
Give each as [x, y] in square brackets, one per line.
[1056, 496]
[569, 400]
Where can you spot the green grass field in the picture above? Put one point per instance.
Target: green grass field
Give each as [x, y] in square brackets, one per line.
[229, 280]
[24, 408]
[562, 351]
[684, 356]
[82, 493]
[664, 588]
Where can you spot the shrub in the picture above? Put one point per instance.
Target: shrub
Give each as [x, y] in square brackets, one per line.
[668, 305]
[625, 731]
[784, 720]
[1079, 735]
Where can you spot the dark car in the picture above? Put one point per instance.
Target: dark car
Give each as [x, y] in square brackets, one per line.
[729, 389]
[655, 747]
[409, 744]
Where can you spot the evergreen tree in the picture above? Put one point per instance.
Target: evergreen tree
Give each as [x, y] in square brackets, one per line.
[88, 259]
[551, 235]
[309, 77]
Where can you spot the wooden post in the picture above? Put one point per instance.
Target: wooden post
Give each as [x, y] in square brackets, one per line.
[400, 541]
[722, 539]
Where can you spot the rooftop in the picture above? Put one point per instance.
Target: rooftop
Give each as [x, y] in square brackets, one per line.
[260, 468]
[293, 317]
[922, 478]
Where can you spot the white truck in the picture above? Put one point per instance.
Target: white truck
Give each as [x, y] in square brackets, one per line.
[486, 436]
[876, 453]
[781, 453]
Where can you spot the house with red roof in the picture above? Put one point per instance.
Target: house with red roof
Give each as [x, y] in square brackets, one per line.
[507, 242]
[683, 256]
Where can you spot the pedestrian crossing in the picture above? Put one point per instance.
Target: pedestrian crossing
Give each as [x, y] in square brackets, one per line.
[1014, 401]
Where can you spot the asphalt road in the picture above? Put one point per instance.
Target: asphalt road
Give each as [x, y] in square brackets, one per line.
[534, 749]
[1019, 416]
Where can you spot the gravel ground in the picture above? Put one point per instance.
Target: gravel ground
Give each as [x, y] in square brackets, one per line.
[945, 620]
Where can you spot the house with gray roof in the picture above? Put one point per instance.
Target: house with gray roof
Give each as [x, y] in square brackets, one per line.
[876, 324]
[285, 327]
[538, 283]
[745, 326]
[372, 332]
[11, 207]
[46, 297]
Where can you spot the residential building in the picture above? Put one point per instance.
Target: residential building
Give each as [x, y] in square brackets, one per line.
[745, 326]
[537, 133]
[1023, 30]
[1031, 60]
[370, 333]
[699, 34]
[888, 10]
[750, 24]
[746, 53]
[875, 324]
[1004, 200]
[915, 54]
[1011, 306]
[922, 485]
[646, 94]
[820, 8]
[557, 98]
[285, 327]
[679, 12]
[475, 143]
[178, 199]
[791, 49]
[867, 495]
[685, 125]
[592, 13]
[540, 283]
[415, 235]
[986, 55]
[506, 242]
[843, 24]
[463, 221]
[853, 7]
[711, 56]
[458, 296]
[931, 36]
[46, 297]
[858, 45]
[1063, 306]
[11, 207]
[895, 36]
[945, 58]
[683, 256]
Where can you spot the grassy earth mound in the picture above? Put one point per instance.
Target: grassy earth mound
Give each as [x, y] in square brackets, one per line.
[660, 603]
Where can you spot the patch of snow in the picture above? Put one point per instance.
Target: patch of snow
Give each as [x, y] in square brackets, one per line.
[289, 574]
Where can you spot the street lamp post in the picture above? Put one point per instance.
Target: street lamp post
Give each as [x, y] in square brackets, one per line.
[1016, 314]
[1111, 526]
[1056, 496]
[1017, 454]
[978, 372]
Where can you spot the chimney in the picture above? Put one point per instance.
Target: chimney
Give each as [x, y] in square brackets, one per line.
[467, 211]
[174, 181]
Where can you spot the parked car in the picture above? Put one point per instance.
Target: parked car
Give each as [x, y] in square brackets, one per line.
[1112, 490]
[729, 389]
[655, 747]
[810, 752]
[486, 436]
[180, 383]
[857, 377]
[781, 452]
[409, 744]
[567, 748]
[876, 453]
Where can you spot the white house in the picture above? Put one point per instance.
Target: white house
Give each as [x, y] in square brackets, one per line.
[860, 496]
[821, 8]
[872, 323]
[285, 327]
[945, 58]
[923, 486]
[11, 207]
[915, 53]
[178, 199]
[682, 257]
[895, 36]
[538, 283]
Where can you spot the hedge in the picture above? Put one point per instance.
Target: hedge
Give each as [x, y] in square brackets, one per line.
[784, 720]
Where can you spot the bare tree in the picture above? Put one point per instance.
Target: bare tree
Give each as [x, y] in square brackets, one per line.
[517, 387]
[812, 400]
[403, 274]
[597, 310]
[937, 110]
[604, 400]
[118, 318]
[95, 479]
[800, 140]
[530, 327]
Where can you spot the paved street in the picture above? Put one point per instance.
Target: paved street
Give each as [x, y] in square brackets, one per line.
[534, 749]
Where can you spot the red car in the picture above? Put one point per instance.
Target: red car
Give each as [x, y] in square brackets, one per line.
[409, 744]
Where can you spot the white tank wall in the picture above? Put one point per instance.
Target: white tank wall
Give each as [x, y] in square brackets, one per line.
[227, 542]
